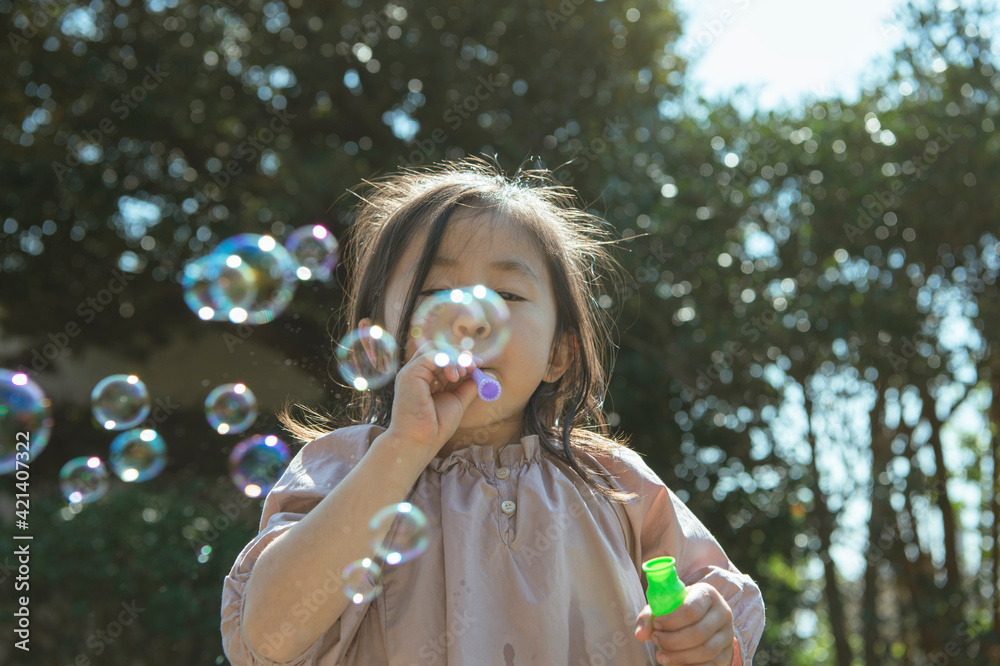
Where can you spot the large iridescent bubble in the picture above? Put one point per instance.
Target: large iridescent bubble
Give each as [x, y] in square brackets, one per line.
[25, 420]
[83, 479]
[138, 454]
[406, 533]
[219, 287]
[315, 249]
[256, 463]
[231, 408]
[368, 358]
[120, 402]
[273, 267]
[461, 323]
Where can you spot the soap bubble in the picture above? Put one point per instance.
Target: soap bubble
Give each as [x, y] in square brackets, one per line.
[84, 479]
[404, 541]
[274, 271]
[218, 287]
[462, 323]
[120, 402]
[231, 408]
[138, 454]
[368, 358]
[362, 580]
[23, 409]
[256, 463]
[315, 249]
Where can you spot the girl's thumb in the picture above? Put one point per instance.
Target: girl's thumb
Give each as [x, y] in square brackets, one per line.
[467, 393]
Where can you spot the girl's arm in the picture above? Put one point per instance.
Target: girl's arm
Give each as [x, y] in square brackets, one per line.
[661, 524]
[670, 528]
[280, 622]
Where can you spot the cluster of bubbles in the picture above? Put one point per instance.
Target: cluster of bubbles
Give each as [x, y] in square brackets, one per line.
[406, 537]
[118, 402]
[251, 278]
[462, 323]
[256, 462]
[122, 402]
[23, 409]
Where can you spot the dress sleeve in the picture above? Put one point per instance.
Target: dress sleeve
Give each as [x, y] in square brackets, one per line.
[310, 476]
[662, 525]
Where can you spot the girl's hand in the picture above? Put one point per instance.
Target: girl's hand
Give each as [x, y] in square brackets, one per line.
[699, 631]
[429, 402]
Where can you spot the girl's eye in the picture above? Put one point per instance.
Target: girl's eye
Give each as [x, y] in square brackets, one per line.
[507, 296]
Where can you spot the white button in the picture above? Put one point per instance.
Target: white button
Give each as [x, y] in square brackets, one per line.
[503, 472]
[508, 507]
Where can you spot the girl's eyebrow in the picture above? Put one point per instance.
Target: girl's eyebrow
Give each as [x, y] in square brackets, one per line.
[503, 265]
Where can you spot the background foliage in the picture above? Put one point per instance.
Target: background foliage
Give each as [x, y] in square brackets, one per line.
[814, 294]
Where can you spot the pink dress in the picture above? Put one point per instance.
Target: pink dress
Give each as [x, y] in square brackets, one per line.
[526, 564]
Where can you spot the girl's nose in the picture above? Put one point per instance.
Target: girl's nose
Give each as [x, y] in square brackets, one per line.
[470, 324]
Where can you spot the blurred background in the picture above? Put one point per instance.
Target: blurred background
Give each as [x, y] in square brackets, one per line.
[807, 201]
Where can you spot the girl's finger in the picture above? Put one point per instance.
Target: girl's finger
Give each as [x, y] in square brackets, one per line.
[467, 393]
[644, 625]
[715, 628]
[700, 598]
[717, 649]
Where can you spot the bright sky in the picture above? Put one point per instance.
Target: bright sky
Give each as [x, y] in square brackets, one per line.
[787, 51]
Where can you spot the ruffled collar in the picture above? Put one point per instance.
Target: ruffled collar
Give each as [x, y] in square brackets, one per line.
[481, 456]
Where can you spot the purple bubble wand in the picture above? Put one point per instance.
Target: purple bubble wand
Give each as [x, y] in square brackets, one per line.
[487, 387]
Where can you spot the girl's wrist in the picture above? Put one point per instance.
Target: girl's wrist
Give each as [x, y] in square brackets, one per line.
[405, 448]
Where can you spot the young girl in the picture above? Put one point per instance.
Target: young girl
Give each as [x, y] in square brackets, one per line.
[539, 522]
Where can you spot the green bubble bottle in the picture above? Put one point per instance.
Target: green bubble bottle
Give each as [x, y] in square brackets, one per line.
[664, 590]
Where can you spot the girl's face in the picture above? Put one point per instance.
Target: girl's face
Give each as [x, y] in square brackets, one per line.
[501, 257]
